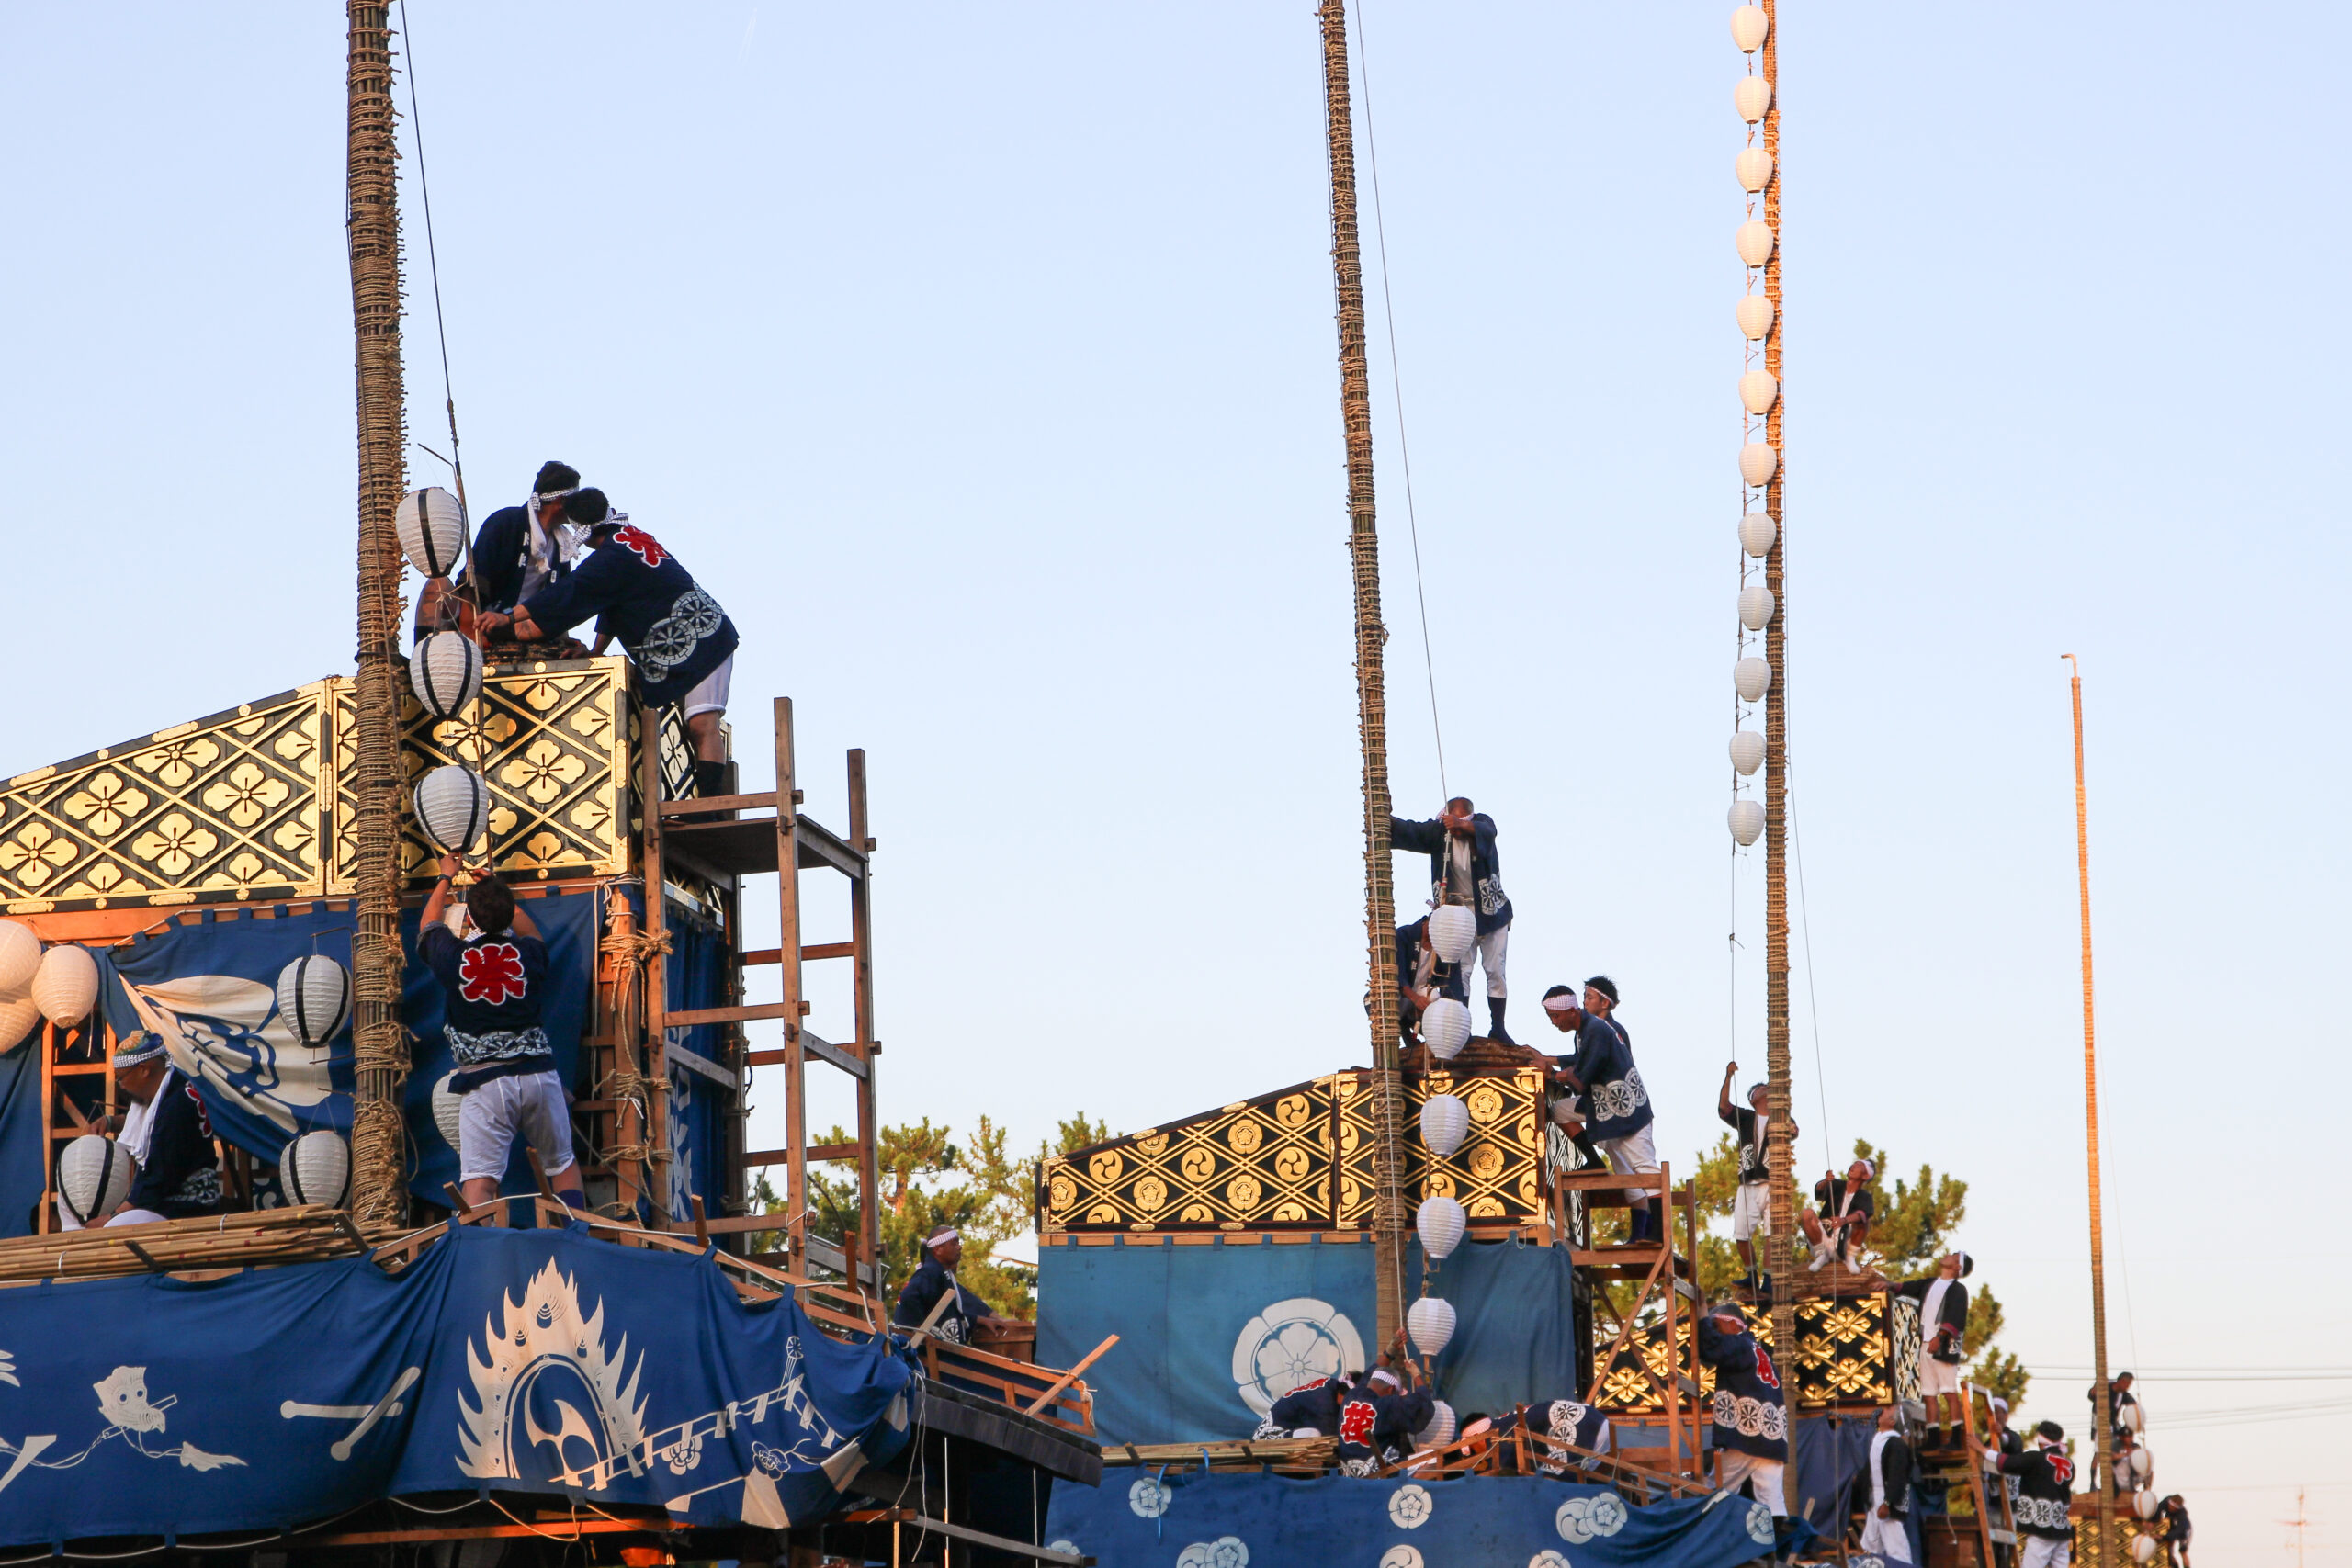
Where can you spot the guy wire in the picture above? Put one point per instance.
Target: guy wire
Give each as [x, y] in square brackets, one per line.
[1811, 998]
[1396, 383]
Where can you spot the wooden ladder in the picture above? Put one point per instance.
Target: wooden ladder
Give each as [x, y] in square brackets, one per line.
[1988, 1529]
[766, 833]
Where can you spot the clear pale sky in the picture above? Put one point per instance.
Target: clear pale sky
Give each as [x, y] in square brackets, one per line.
[981, 360]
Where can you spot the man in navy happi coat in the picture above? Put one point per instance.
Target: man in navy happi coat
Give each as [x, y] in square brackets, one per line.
[1751, 1433]
[2045, 1495]
[1617, 1108]
[681, 641]
[1311, 1410]
[1379, 1416]
[1465, 868]
[517, 551]
[936, 1278]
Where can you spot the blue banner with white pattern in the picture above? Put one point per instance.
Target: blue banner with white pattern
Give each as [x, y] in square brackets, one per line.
[501, 1359]
[1143, 1518]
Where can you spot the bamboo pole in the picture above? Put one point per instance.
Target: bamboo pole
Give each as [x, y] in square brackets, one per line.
[1778, 1246]
[1372, 705]
[373, 223]
[2103, 1471]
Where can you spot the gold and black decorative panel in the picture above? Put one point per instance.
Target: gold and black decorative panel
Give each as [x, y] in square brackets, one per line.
[1262, 1162]
[548, 740]
[237, 805]
[219, 808]
[2127, 1530]
[1903, 1330]
[1268, 1163]
[1496, 1175]
[1844, 1357]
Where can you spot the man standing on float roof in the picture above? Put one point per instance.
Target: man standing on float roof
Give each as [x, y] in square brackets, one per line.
[681, 641]
[1465, 869]
[942, 1250]
[517, 551]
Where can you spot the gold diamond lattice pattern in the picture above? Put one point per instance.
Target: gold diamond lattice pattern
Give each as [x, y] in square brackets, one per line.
[547, 741]
[1269, 1162]
[1842, 1357]
[219, 808]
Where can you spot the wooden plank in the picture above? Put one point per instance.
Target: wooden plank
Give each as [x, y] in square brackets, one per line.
[861, 946]
[765, 801]
[752, 1014]
[1070, 1377]
[824, 1050]
[695, 1062]
[810, 953]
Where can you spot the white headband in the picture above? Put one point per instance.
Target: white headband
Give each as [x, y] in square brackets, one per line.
[540, 497]
[1382, 1374]
[950, 1233]
[1560, 1004]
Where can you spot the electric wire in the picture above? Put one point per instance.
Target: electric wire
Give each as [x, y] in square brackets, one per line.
[1396, 386]
[1812, 998]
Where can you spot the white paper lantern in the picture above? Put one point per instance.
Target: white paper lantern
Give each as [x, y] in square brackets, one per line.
[17, 1016]
[1747, 751]
[1752, 97]
[1748, 27]
[66, 983]
[446, 674]
[1430, 1320]
[1439, 1222]
[1754, 241]
[2145, 1548]
[19, 956]
[1758, 391]
[1746, 820]
[433, 530]
[1757, 532]
[1753, 170]
[316, 1168]
[2138, 1467]
[447, 1107]
[1454, 931]
[2147, 1504]
[1445, 1121]
[2128, 1416]
[1442, 1428]
[454, 807]
[1757, 462]
[1755, 316]
[1445, 1028]
[94, 1176]
[314, 998]
[1755, 607]
[1751, 678]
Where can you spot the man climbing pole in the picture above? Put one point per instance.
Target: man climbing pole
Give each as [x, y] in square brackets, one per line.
[1465, 869]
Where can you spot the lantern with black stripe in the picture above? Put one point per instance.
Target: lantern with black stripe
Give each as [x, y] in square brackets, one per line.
[316, 1168]
[446, 674]
[94, 1177]
[453, 806]
[314, 998]
[432, 527]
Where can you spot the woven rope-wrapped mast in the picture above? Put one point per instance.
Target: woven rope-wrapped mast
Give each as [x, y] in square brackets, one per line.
[1372, 701]
[373, 223]
[1779, 1246]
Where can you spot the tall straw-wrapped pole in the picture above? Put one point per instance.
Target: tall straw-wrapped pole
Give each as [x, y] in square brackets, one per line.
[2102, 1477]
[373, 230]
[1372, 703]
[1778, 1249]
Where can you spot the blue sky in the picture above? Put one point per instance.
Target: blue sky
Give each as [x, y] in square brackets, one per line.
[981, 361]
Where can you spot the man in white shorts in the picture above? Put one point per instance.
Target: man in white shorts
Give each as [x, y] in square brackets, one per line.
[495, 987]
[1751, 1205]
[1943, 1326]
[1883, 1521]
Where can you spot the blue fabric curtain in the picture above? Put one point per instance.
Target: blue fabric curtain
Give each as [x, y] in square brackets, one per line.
[24, 1141]
[1140, 1518]
[1212, 1334]
[518, 1360]
[695, 975]
[1833, 1455]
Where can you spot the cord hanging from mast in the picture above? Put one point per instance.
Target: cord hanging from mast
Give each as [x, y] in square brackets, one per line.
[433, 264]
[1396, 382]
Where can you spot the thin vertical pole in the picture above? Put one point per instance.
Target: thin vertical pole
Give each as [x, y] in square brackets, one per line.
[796, 1087]
[1778, 1249]
[861, 930]
[372, 216]
[2103, 1473]
[1372, 703]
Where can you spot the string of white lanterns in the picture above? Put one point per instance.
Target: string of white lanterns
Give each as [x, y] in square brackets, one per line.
[1759, 460]
[452, 802]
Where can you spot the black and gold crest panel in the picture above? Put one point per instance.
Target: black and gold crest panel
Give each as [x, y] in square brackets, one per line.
[1844, 1357]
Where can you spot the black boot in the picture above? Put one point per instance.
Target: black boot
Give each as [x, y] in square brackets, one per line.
[1638, 1230]
[1494, 1029]
[711, 779]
